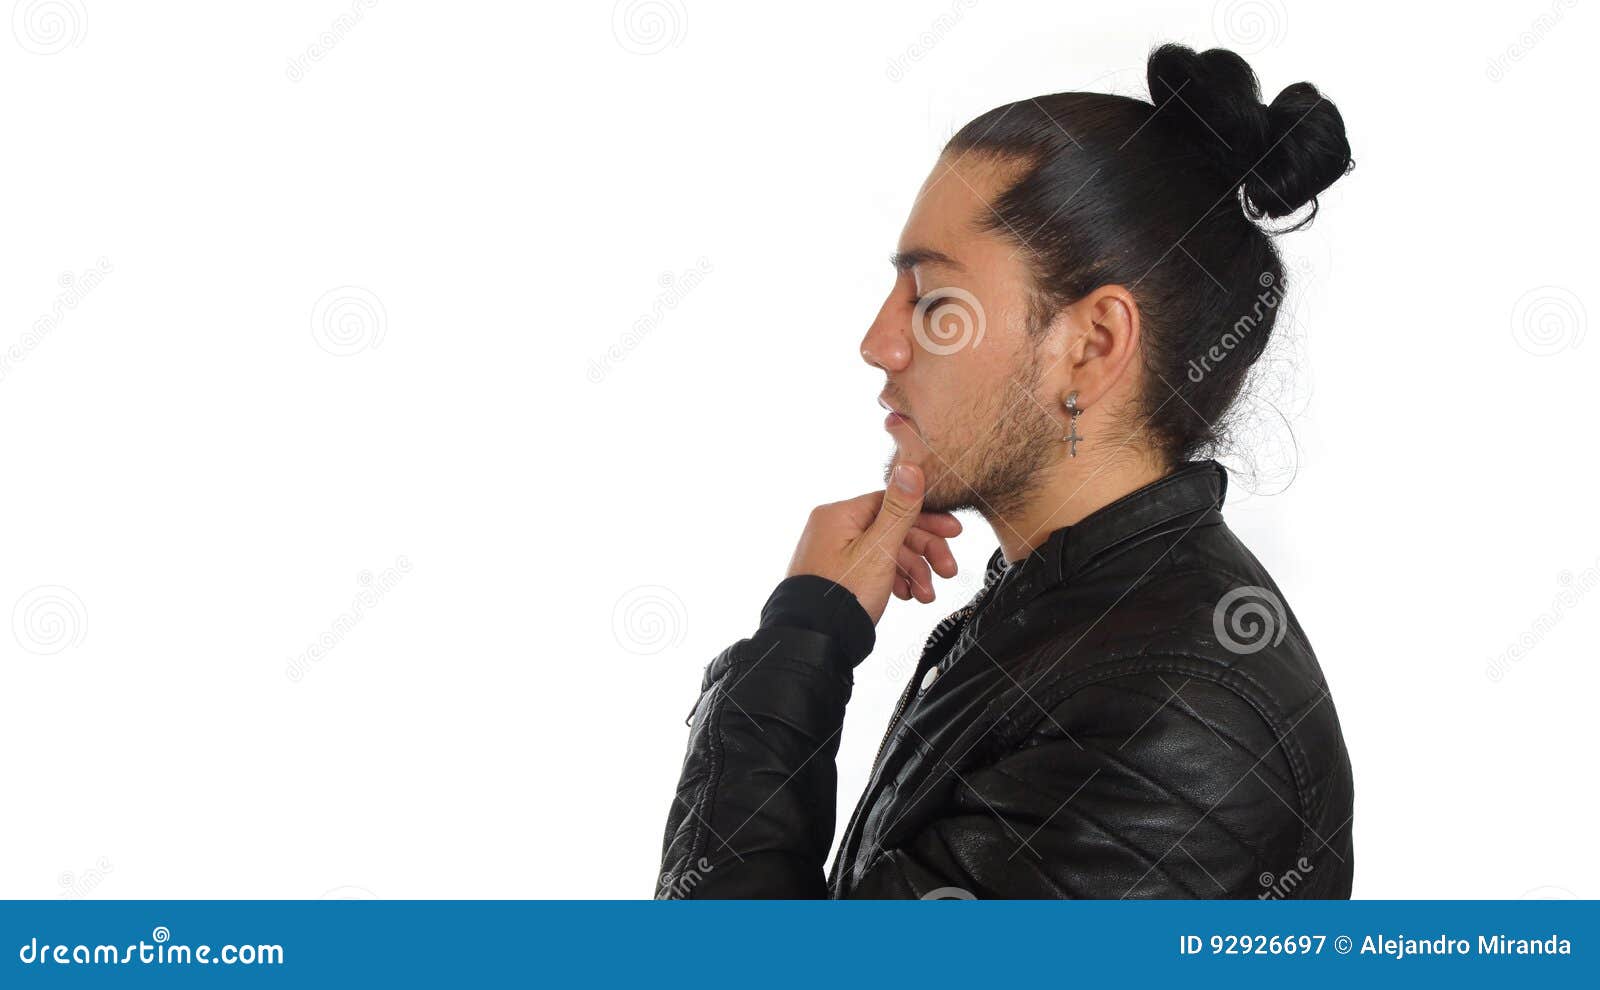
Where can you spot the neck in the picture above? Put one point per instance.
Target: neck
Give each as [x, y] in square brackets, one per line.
[1075, 489]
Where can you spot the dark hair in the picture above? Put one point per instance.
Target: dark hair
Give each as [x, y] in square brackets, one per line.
[1166, 198]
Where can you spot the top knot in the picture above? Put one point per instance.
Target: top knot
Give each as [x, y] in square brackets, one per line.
[1282, 155]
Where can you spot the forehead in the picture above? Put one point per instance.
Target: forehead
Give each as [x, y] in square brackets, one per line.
[951, 207]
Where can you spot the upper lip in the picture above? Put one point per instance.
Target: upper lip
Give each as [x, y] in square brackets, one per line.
[885, 403]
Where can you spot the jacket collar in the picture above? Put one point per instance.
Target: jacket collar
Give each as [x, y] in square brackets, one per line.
[1188, 496]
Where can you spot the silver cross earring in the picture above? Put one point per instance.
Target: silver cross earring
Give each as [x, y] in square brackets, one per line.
[1072, 437]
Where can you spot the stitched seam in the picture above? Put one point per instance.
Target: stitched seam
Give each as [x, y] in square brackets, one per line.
[1205, 670]
[700, 837]
[1194, 717]
[1155, 531]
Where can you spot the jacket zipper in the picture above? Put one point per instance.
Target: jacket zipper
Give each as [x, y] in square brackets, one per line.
[960, 618]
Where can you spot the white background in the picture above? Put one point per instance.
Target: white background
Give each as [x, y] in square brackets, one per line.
[550, 314]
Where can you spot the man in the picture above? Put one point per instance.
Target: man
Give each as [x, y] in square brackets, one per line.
[1127, 708]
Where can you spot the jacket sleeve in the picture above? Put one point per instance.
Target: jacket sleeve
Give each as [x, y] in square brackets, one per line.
[1149, 785]
[753, 815]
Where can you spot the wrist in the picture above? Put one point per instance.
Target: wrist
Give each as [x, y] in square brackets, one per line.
[818, 605]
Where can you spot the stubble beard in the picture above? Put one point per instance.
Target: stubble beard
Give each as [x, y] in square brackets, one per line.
[1001, 470]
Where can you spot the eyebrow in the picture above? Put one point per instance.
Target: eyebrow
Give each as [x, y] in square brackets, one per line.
[904, 261]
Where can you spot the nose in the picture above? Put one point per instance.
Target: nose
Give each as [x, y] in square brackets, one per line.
[887, 345]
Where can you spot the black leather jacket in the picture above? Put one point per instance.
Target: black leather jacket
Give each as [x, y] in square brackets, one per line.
[1130, 711]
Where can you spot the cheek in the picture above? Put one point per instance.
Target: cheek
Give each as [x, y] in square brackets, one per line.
[965, 392]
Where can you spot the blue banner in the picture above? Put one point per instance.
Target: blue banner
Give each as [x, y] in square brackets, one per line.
[767, 944]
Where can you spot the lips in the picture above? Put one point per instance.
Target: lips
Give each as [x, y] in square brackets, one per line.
[896, 416]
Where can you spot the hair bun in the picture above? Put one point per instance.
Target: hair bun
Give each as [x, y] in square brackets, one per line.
[1283, 154]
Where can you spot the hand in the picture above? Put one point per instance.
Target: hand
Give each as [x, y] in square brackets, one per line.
[879, 543]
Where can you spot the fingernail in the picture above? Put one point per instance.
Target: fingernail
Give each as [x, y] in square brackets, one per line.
[903, 479]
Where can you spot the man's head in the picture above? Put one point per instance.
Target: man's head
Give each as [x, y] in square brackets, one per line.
[1093, 244]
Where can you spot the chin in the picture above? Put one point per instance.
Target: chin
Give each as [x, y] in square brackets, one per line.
[946, 501]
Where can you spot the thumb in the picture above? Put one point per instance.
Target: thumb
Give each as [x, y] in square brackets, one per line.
[902, 501]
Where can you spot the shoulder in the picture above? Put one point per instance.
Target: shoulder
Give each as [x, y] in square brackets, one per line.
[1179, 764]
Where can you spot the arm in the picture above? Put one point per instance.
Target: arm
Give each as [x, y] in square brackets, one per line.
[1148, 785]
[753, 815]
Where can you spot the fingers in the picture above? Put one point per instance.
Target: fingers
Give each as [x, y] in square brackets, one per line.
[913, 570]
[939, 524]
[935, 549]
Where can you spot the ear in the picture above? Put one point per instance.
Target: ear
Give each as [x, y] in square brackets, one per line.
[1103, 330]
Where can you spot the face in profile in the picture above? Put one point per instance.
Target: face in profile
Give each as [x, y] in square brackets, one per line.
[964, 373]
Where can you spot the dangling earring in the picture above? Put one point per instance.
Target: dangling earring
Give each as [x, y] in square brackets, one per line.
[1072, 437]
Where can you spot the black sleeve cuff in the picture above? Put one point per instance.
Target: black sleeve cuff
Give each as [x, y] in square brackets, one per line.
[807, 601]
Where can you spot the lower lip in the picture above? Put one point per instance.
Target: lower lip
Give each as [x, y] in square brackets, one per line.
[893, 420]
